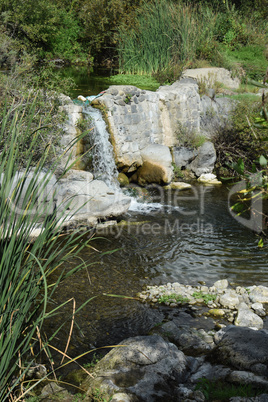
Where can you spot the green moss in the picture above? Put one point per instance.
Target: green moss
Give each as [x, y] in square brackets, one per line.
[220, 391]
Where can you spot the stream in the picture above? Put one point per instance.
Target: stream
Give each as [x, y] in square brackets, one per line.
[167, 236]
[157, 247]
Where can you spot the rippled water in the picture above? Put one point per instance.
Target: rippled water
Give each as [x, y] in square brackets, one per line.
[187, 237]
[187, 242]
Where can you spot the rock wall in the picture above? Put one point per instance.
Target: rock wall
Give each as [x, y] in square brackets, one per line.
[138, 118]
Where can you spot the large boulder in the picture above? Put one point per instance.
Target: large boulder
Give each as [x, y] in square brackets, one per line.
[183, 156]
[76, 197]
[37, 186]
[137, 118]
[144, 368]
[210, 75]
[156, 166]
[205, 160]
[242, 348]
[90, 198]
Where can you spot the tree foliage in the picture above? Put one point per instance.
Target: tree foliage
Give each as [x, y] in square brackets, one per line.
[88, 29]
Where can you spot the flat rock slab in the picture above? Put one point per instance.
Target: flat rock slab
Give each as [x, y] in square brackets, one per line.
[178, 185]
[212, 74]
[146, 368]
[243, 348]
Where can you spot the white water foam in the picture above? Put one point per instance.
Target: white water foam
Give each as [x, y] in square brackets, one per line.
[144, 207]
[104, 164]
[103, 158]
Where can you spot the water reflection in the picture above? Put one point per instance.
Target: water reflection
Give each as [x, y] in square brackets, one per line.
[174, 252]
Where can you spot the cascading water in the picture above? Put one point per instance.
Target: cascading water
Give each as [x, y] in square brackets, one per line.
[104, 167]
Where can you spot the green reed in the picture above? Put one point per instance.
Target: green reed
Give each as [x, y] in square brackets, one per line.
[26, 264]
[165, 34]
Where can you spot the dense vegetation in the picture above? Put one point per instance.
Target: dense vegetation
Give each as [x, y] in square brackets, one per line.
[156, 36]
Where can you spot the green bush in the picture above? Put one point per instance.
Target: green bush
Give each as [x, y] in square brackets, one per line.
[24, 88]
[239, 139]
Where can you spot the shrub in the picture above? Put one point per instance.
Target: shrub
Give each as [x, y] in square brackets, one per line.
[26, 90]
[188, 137]
[237, 139]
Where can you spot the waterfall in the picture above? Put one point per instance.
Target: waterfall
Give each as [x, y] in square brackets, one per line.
[104, 167]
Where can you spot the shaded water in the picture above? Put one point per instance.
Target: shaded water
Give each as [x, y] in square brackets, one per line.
[189, 243]
[88, 81]
[186, 236]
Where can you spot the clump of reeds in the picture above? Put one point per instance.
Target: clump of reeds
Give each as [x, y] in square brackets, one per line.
[26, 264]
[166, 34]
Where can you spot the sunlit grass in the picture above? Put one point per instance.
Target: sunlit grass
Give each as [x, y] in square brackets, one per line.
[143, 81]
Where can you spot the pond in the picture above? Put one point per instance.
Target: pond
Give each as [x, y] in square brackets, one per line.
[191, 238]
[187, 236]
[91, 81]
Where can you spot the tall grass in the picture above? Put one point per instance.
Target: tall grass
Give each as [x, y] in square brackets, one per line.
[26, 264]
[165, 34]
[148, 47]
[170, 36]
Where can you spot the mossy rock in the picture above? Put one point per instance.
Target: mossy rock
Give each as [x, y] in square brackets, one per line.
[149, 173]
[123, 180]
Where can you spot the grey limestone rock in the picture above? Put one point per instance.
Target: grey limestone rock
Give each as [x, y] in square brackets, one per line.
[258, 294]
[243, 348]
[90, 199]
[145, 368]
[204, 162]
[247, 318]
[183, 156]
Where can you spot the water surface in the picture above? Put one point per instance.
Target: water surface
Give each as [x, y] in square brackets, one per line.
[191, 238]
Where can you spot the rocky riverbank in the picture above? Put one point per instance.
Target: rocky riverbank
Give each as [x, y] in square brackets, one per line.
[210, 337]
[244, 307]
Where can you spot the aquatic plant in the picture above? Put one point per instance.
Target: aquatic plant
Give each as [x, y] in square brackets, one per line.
[205, 296]
[168, 298]
[27, 263]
